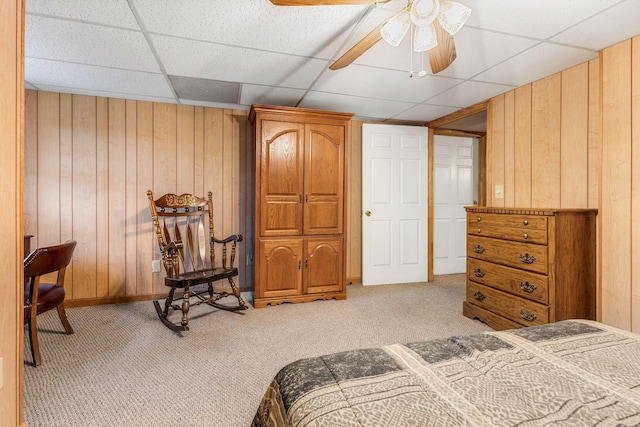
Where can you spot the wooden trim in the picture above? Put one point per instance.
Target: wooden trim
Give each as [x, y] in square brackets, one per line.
[86, 302]
[462, 133]
[460, 114]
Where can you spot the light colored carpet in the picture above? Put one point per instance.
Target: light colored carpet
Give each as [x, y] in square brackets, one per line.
[122, 367]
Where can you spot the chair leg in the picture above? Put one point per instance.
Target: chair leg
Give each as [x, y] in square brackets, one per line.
[33, 341]
[185, 307]
[63, 319]
[236, 292]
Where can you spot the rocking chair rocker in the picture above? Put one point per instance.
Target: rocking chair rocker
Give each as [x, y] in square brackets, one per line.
[171, 214]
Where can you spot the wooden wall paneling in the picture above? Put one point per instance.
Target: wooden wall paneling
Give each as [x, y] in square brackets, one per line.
[147, 245]
[509, 149]
[353, 248]
[185, 142]
[130, 196]
[522, 154]
[103, 229]
[225, 227]
[84, 196]
[66, 181]
[495, 149]
[48, 232]
[615, 208]
[117, 198]
[247, 215]
[30, 172]
[635, 184]
[164, 162]
[239, 187]
[545, 142]
[593, 175]
[11, 185]
[574, 137]
[198, 151]
[213, 146]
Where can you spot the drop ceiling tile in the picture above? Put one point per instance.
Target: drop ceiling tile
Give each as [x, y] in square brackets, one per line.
[62, 40]
[205, 90]
[382, 83]
[183, 57]
[515, 16]
[361, 107]
[620, 22]
[425, 112]
[105, 94]
[108, 12]
[255, 94]
[213, 104]
[469, 93]
[87, 77]
[307, 31]
[533, 64]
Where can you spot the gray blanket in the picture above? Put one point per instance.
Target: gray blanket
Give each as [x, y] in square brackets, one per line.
[576, 372]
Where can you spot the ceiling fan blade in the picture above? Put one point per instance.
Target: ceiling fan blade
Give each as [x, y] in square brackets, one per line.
[358, 49]
[441, 56]
[323, 2]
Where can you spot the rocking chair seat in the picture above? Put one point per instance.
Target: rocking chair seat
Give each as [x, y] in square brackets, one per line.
[194, 278]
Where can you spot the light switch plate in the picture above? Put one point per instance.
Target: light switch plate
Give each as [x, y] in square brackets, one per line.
[155, 266]
[499, 191]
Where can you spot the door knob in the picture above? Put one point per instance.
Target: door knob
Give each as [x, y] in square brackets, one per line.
[367, 213]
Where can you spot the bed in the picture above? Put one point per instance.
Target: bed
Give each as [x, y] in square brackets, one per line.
[574, 372]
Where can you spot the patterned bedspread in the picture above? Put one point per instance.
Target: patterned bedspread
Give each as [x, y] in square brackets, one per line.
[577, 372]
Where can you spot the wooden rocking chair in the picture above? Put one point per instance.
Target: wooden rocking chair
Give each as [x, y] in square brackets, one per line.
[191, 266]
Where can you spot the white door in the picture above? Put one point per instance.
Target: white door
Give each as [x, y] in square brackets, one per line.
[455, 187]
[394, 204]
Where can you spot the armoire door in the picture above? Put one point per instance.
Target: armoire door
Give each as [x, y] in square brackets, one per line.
[281, 182]
[322, 264]
[280, 268]
[323, 179]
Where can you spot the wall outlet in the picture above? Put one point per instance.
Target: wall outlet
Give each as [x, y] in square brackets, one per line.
[155, 266]
[249, 259]
[499, 192]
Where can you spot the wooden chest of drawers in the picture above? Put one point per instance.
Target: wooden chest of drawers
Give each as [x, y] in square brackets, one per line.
[530, 266]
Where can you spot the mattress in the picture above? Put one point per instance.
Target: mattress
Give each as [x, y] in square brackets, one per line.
[574, 372]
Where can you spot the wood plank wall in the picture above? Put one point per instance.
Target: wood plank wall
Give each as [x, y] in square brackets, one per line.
[11, 252]
[576, 135]
[90, 160]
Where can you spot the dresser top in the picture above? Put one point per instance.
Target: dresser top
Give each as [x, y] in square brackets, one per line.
[528, 211]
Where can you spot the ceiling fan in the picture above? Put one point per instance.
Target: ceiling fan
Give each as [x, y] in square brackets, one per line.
[434, 24]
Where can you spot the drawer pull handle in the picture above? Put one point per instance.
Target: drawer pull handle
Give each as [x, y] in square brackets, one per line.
[479, 231]
[527, 259]
[525, 222]
[525, 236]
[528, 316]
[478, 249]
[478, 272]
[479, 296]
[479, 219]
[528, 287]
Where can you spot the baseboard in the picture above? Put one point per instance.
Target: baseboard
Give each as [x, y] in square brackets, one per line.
[352, 280]
[85, 302]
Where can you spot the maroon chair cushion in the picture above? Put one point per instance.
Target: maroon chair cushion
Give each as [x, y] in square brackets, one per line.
[49, 297]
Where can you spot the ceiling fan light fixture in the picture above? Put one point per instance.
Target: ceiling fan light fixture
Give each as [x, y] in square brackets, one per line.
[453, 16]
[396, 28]
[423, 12]
[424, 38]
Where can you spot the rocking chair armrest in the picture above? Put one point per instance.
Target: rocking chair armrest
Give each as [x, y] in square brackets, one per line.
[232, 238]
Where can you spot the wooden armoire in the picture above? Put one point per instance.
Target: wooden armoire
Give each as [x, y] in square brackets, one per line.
[300, 204]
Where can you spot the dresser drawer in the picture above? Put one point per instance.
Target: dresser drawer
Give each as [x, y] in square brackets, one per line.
[508, 233]
[526, 256]
[524, 222]
[519, 310]
[518, 282]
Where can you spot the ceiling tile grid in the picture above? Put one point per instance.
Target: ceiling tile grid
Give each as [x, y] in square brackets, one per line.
[231, 54]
